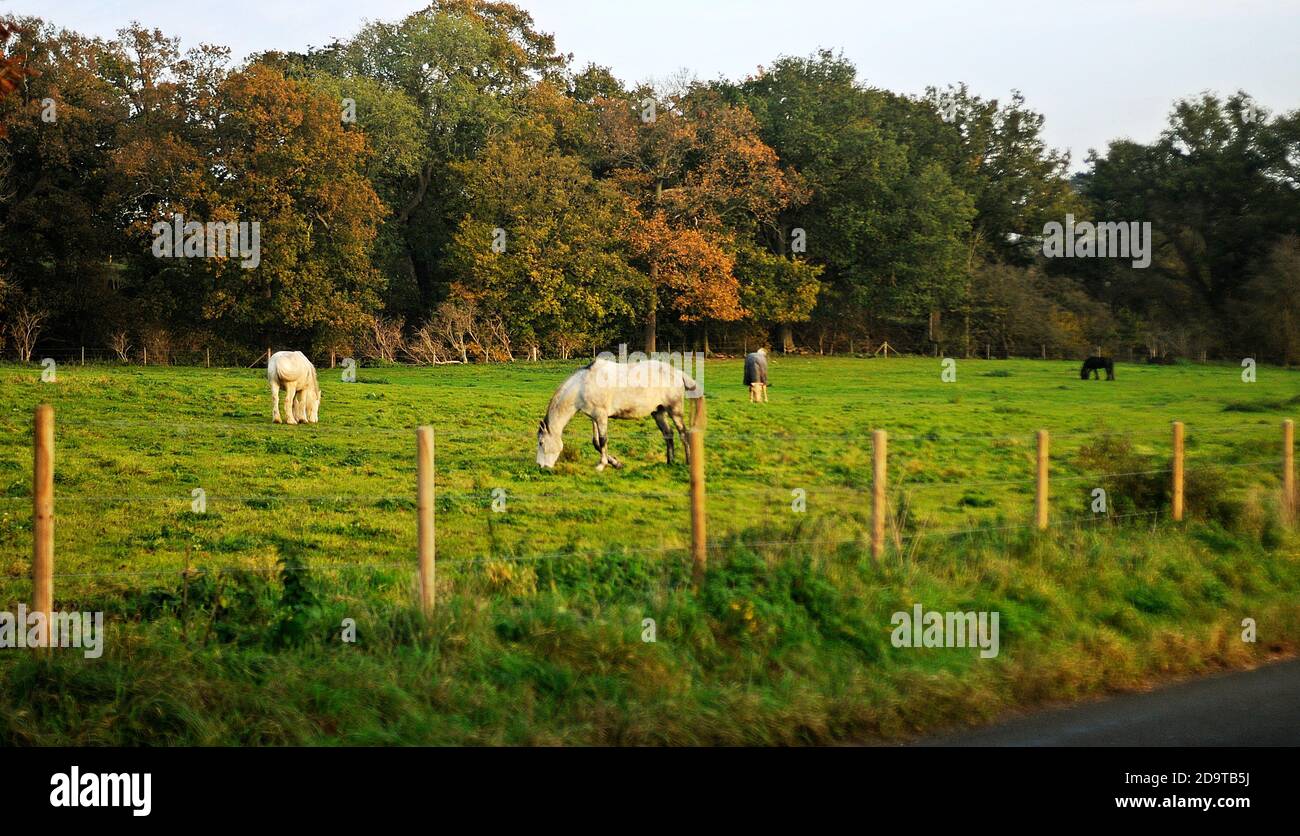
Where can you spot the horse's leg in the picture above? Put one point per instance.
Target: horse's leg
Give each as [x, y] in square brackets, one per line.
[290, 390]
[300, 405]
[665, 427]
[596, 442]
[600, 430]
[275, 401]
[679, 420]
[604, 444]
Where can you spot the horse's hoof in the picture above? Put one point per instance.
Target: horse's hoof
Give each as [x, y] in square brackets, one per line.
[600, 467]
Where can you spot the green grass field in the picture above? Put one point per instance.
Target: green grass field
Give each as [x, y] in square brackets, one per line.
[537, 637]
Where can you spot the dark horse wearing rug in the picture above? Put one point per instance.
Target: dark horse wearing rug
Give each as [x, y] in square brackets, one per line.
[1094, 365]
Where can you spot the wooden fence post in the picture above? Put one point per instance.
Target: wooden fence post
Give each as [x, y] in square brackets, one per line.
[207, 358]
[424, 510]
[1288, 471]
[879, 473]
[699, 534]
[43, 519]
[1041, 492]
[1178, 471]
[83, 355]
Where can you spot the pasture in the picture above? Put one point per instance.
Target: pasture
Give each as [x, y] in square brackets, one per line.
[133, 443]
[546, 574]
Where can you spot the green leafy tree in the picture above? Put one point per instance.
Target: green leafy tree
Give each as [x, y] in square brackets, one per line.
[467, 65]
[776, 288]
[1219, 187]
[285, 160]
[1269, 308]
[557, 271]
[889, 228]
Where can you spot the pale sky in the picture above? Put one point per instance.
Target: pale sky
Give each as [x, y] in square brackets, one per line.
[1097, 70]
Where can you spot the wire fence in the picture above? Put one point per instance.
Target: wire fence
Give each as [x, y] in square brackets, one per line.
[487, 495]
[547, 502]
[139, 351]
[408, 566]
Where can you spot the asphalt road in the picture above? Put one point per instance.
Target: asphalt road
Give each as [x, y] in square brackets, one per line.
[1252, 708]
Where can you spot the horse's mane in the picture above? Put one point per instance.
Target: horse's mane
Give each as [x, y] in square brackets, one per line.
[570, 382]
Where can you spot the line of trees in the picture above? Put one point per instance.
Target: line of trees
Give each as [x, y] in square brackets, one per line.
[450, 188]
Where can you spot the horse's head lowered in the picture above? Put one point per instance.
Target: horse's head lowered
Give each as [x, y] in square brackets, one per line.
[312, 401]
[306, 405]
[549, 444]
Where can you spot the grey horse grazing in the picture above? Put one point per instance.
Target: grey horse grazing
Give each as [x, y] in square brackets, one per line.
[293, 371]
[605, 389]
[756, 375]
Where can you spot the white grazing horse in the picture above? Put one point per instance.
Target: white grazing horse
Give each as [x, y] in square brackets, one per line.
[293, 371]
[606, 389]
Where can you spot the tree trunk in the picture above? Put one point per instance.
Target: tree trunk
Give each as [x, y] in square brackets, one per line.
[786, 334]
[651, 314]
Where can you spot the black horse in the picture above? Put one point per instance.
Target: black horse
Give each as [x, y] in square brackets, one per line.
[1094, 365]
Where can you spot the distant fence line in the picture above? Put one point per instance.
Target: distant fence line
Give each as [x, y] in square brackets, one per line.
[425, 494]
[228, 357]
